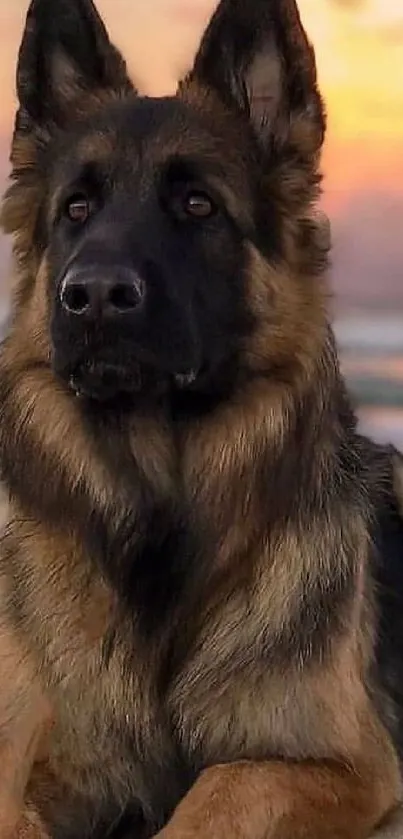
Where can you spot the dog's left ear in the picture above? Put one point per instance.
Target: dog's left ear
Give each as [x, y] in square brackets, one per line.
[256, 56]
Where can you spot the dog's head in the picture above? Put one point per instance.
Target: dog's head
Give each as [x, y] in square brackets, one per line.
[169, 244]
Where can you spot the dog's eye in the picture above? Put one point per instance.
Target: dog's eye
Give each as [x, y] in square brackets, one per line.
[199, 205]
[78, 209]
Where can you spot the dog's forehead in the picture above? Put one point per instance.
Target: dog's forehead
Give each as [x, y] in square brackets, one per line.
[149, 130]
[148, 118]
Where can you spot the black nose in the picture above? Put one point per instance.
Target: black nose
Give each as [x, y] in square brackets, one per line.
[94, 295]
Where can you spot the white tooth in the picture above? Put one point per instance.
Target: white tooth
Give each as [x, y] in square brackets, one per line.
[184, 379]
[74, 387]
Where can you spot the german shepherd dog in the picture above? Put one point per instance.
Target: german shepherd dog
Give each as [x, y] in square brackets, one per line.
[198, 634]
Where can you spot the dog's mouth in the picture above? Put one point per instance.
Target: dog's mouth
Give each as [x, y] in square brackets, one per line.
[105, 381]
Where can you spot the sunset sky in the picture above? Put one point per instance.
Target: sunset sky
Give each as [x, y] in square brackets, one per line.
[359, 45]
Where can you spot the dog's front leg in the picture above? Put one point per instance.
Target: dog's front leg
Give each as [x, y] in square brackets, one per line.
[284, 800]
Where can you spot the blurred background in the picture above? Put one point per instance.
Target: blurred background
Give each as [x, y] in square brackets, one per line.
[359, 45]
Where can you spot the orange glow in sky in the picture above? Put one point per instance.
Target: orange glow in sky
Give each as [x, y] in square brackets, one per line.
[359, 49]
[359, 46]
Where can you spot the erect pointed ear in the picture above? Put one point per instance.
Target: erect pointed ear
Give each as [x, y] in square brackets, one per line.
[256, 56]
[65, 54]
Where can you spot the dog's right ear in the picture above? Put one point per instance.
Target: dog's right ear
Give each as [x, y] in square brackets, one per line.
[65, 57]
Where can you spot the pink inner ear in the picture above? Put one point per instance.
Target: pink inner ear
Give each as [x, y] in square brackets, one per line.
[262, 98]
[264, 79]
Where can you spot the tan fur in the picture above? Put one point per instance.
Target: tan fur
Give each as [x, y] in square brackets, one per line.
[255, 676]
[24, 716]
[284, 800]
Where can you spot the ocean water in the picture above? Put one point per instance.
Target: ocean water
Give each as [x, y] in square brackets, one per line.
[371, 353]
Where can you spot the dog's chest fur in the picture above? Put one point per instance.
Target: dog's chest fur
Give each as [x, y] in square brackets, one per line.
[110, 737]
